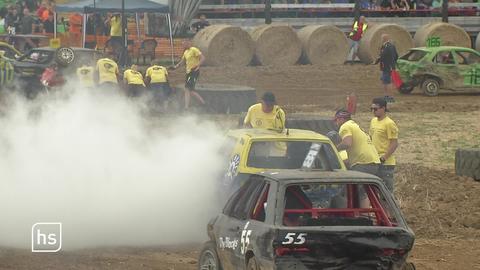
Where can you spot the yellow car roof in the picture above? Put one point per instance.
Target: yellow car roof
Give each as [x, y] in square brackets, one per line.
[288, 133]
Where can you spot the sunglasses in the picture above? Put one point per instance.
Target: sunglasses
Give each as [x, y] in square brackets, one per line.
[375, 109]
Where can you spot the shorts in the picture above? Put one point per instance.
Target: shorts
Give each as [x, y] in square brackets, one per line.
[371, 168]
[354, 44]
[191, 79]
[162, 88]
[386, 173]
[135, 90]
[386, 77]
[108, 85]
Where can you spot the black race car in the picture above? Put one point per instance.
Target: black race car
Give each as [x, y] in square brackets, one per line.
[294, 219]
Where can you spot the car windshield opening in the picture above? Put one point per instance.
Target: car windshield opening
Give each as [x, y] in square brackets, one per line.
[291, 155]
[321, 204]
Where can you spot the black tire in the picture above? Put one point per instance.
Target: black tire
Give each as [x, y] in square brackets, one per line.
[208, 259]
[253, 264]
[406, 89]
[431, 87]
[64, 56]
[467, 163]
[225, 99]
[315, 123]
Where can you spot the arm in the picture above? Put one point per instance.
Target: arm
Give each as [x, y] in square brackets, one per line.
[391, 149]
[247, 120]
[179, 63]
[345, 143]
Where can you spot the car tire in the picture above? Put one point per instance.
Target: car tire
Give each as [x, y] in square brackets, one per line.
[208, 259]
[431, 87]
[64, 56]
[406, 89]
[467, 163]
[252, 264]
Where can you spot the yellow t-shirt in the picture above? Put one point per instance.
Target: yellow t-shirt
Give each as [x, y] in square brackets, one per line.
[382, 132]
[85, 75]
[157, 74]
[192, 58]
[362, 150]
[259, 119]
[107, 70]
[133, 77]
[116, 26]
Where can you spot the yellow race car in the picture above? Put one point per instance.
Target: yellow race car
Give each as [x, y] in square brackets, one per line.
[6, 71]
[256, 150]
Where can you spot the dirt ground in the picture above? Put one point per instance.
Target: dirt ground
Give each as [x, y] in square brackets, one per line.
[442, 208]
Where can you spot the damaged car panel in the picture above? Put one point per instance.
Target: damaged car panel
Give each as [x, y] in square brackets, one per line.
[293, 219]
[439, 68]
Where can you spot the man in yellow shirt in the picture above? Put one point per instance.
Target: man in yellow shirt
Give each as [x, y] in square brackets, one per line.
[384, 133]
[107, 72]
[156, 77]
[266, 114]
[134, 81]
[85, 75]
[362, 155]
[115, 27]
[193, 59]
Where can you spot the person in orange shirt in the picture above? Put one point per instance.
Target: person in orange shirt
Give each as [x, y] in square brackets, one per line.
[75, 29]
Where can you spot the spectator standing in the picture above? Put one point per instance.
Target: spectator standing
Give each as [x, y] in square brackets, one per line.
[134, 81]
[388, 61]
[115, 23]
[384, 134]
[75, 27]
[193, 59]
[27, 22]
[358, 30]
[202, 23]
[48, 24]
[362, 155]
[266, 114]
[2, 23]
[12, 21]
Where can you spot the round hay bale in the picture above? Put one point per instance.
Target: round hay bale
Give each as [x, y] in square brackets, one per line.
[371, 41]
[477, 43]
[449, 34]
[225, 45]
[276, 45]
[323, 44]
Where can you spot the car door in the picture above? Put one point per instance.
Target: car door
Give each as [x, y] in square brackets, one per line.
[446, 69]
[233, 227]
[469, 68]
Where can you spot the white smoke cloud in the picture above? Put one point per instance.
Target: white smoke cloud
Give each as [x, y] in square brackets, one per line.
[112, 175]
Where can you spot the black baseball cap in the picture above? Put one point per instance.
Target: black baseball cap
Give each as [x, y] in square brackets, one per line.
[342, 113]
[380, 102]
[269, 98]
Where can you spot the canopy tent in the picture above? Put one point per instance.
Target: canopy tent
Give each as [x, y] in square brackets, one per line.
[124, 6]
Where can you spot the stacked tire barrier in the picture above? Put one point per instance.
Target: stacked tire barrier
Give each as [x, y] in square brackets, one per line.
[467, 163]
[225, 45]
[276, 45]
[449, 34]
[371, 41]
[323, 45]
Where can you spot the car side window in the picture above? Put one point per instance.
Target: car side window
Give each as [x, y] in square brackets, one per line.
[444, 57]
[259, 210]
[470, 58]
[460, 59]
[242, 202]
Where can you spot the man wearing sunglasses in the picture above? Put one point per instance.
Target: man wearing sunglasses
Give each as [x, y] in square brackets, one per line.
[384, 133]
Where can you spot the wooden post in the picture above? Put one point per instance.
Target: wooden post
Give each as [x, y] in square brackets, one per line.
[268, 11]
[445, 11]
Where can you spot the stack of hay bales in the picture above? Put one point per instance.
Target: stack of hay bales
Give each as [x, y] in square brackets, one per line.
[225, 45]
[371, 41]
[477, 43]
[276, 45]
[323, 45]
[449, 34]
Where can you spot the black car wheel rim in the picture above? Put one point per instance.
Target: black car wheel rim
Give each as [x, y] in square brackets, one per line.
[208, 262]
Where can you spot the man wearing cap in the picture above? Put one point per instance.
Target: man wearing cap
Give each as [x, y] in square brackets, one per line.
[265, 114]
[362, 155]
[384, 133]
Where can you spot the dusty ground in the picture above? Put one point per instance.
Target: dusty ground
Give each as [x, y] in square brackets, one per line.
[443, 209]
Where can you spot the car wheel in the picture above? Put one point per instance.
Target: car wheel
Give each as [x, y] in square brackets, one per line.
[252, 264]
[65, 56]
[431, 87]
[208, 259]
[406, 89]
